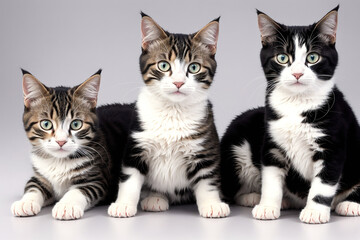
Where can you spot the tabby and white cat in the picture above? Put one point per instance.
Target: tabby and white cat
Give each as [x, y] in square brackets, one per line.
[174, 147]
[306, 152]
[71, 159]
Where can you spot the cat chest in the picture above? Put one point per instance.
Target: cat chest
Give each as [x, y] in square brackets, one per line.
[167, 159]
[57, 172]
[298, 140]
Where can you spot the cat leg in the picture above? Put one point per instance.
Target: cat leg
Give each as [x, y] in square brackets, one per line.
[271, 194]
[321, 194]
[83, 195]
[208, 200]
[128, 195]
[351, 205]
[38, 193]
[155, 202]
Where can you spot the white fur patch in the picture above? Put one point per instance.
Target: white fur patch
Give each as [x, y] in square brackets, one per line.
[71, 206]
[248, 174]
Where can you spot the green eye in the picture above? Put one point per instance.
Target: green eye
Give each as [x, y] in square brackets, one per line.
[312, 58]
[282, 58]
[164, 66]
[194, 68]
[46, 125]
[76, 124]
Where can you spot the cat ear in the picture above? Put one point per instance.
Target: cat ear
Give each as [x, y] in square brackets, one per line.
[89, 89]
[33, 89]
[328, 26]
[209, 35]
[150, 31]
[268, 27]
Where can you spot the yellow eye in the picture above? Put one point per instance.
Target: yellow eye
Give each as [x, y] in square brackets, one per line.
[76, 124]
[164, 66]
[282, 58]
[312, 58]
[194, 68]
[46, 125]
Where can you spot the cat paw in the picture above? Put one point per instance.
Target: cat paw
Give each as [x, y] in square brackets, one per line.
[25, 208]
[315, 216]
[154, 204]
[266, 212]
[67, 211]
[121, 210]
[348, 208]
[248, 200]
[214, 210]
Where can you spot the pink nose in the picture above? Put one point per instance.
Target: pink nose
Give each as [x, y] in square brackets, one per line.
[178, 84]
[61, 143]
[297, 75]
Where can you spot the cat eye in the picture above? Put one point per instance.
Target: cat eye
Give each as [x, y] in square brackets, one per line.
[76, 124]
[312, 58]
[164, 66]
[46, 125]
[282, 58]
[194, 68]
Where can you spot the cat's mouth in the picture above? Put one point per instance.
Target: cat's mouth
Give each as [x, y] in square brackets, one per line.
[178, 93]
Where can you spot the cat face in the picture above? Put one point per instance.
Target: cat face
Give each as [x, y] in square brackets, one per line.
[60, 122]
[299, 60]
[178, 67]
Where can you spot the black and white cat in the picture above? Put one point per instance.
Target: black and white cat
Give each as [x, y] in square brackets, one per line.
[306, 152]
[73, 144]
[174, 147]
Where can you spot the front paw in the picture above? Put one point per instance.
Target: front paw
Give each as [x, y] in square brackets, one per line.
[154, 204]
[25, 208]
[122, 210]
[315, 216]
[266, 212]
[67, 211]
[348, 208]
[214, 210]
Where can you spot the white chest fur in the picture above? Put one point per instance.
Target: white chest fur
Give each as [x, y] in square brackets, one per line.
[57, 172]
[165, 140]
[298, 139]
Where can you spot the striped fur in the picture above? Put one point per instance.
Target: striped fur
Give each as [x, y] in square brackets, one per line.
[78, 172]
[173, 152]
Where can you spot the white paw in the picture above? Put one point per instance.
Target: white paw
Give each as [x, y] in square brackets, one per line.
[67, 211]
[266, 212]
[154, 204]
[25, 208]
[214, 210]
[248, 200]
[315, 216]
[121, 210]
[348, 208]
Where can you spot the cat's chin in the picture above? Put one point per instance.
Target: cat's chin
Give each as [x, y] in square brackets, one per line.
[60, 153]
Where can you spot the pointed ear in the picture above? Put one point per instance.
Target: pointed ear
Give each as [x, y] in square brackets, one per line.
[150, 31]
[89, 89]
[328, 26]
[33, 89]
[209, 35]
[268, 27]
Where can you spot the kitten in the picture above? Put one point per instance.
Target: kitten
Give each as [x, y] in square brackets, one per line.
[306, 148]
[174, 147]
[71, 159]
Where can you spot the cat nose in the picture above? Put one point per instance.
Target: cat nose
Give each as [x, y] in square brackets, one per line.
[297, 75]
[61, 143]
[178, 84]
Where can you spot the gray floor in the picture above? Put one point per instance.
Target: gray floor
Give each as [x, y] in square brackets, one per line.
[180, 222]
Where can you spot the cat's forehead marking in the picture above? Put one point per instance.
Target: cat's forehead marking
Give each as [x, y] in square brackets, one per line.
[300, 50]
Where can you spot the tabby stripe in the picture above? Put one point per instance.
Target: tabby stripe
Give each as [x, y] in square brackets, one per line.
[199, 166]
[147, 67]
[211, 72]
[30, 126]
[203, 177]
[33, 138]
[35, 182]
[88, 192]
[150, 79]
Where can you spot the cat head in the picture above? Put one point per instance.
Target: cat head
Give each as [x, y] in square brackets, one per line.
[178, 67]
[60, 121]
[299, 59]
